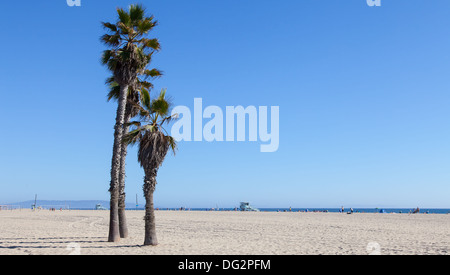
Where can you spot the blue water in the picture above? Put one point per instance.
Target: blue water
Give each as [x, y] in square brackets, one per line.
[332, 210]
[360, 210]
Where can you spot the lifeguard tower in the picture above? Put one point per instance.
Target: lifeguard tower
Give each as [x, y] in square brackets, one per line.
[100, 207]
[245, 206]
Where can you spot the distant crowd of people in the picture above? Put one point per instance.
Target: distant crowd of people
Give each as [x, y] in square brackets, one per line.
[341, 210]
[51, 209]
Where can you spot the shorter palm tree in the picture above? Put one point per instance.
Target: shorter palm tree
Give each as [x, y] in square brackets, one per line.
[154, 144]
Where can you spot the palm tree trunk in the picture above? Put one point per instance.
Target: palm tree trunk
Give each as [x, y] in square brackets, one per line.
[114, 235]
[150, 225]
[123, 228]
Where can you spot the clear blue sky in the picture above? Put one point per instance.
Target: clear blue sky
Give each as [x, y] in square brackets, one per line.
[363, 94]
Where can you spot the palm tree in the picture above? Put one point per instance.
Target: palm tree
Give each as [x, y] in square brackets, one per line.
[154, 144]
[129, 54]
[130, 112]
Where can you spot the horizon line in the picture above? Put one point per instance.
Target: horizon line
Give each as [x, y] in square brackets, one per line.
[231, 207]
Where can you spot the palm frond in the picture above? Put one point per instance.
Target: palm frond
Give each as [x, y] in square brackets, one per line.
[162, 95]
[138, 110]
[150, 43]
[134, 123]
[149, 128]
[145, 99]
[124, 17]
[110, 80]
[168, 119]
[153, 73]
[114, 91]
[145, 85]
[153, 148]
[109, 26]
[112, 64]
[111, 40]
[172, 144]
[123, 28]
[132, 137]
[123, 55]
[160, 107]
[106, 56]
[136, 13]
[145, 26]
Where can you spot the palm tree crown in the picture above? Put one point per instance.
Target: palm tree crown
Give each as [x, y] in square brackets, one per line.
[154, 141]
[130, 51]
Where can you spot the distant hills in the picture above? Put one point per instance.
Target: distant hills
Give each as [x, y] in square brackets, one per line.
[87, 204]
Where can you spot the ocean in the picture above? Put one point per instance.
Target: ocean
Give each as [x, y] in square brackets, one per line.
[90, 205]
[332, 210]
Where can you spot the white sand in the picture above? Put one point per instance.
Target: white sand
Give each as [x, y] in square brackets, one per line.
[230, 233]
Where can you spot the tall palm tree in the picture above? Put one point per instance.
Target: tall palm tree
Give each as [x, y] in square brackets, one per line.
[129, 54]
[154, 144]
[130, 112]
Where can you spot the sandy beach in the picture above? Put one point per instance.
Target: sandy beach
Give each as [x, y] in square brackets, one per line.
[226, 233]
